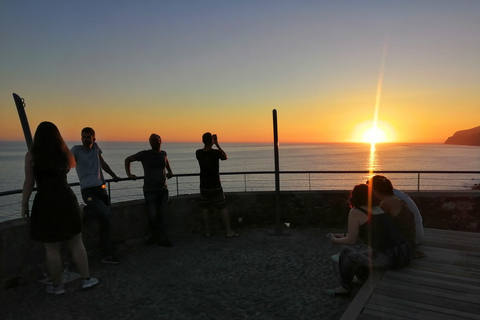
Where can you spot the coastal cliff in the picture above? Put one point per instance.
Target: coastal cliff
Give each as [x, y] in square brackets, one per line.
[469, 137]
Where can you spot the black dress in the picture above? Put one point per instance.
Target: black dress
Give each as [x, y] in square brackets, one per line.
[55, 211]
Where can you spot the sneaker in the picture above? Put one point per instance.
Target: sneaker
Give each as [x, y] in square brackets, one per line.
[110, 260]
[56, 289]
[336, 257]
[357, 281]
[90, 282]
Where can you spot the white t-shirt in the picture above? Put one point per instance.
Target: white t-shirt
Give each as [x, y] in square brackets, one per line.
[416, 213]
[89, 168]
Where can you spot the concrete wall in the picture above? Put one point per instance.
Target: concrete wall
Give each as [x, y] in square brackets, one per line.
[22, 260]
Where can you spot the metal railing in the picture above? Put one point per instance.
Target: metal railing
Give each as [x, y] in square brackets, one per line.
[182, 184]
[419, 175]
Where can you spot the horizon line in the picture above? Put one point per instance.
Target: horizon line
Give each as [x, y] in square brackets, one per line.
[255, 142]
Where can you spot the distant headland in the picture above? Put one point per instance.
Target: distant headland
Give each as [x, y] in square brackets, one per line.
[469, 137]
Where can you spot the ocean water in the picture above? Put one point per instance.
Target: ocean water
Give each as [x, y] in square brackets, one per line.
[260, 157]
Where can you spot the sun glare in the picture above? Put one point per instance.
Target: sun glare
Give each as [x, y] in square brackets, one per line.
[374, 135]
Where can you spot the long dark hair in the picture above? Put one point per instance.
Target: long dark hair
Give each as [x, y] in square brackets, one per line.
[49, 151]
[359, 196]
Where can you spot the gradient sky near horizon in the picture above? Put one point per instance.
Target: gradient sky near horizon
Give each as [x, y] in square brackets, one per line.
[181, 68]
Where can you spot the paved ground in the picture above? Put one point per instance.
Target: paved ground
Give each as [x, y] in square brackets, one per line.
[254, 276]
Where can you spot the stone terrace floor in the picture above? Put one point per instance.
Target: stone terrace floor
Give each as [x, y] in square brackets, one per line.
[254, 276]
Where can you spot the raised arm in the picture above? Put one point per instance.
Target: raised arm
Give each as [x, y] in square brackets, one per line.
[28, 185]
[224, 155]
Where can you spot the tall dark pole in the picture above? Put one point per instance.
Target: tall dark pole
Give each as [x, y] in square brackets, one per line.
[279, 230]
[20, 104]
[277, 167]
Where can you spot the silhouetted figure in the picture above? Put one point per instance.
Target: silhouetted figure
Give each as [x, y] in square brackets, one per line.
[416, 214]
[56, 215]
[211, 190]
[398, 209]
[156, 169]
[92, 183]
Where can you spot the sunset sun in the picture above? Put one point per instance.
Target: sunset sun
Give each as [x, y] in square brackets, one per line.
[370, 132]
[374, 135]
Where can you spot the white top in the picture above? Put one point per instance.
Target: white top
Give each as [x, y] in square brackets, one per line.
[416, 213]
[89, 168]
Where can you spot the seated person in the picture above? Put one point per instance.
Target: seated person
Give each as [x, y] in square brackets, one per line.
[386, 247]
[416, 214]
[398, 209]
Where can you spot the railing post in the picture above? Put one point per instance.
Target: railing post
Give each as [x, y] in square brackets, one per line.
[245, 181]
[309, 183]
[176, 181]
[278, 231]
[418, 182]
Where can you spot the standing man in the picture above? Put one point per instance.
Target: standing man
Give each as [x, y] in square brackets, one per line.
[90, 163]
[154, 162]
[211, 191]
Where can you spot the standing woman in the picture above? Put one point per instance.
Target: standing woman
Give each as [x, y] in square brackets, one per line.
[55, 211]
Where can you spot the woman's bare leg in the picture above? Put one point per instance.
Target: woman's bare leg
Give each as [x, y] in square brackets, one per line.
[54, 262]
[79, 255]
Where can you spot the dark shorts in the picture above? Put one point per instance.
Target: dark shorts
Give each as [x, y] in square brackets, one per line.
[212, 197]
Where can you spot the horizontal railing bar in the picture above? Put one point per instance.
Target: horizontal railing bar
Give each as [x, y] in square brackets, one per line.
[11, 192]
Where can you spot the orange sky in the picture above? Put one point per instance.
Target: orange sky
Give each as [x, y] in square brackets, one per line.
[182, 70]
[299, 121]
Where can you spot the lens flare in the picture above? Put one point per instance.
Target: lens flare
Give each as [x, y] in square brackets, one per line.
[375, 132]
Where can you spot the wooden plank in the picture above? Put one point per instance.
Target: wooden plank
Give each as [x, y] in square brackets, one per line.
[371, 313]
[423, 274]
[442, 268]
[430, 299]
[450, 259]
[356, 306]
[473, 247]
[466, 237]
[423, 292]
[391, 312]
[410, 309]
[443, 285]
[427, 241]
[454, 238]
[439, 253]
[452, 233]
[436, 250]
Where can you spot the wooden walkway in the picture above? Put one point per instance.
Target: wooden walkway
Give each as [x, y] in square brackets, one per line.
[443, 285]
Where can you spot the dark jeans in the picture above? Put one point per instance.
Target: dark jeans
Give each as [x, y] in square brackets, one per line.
[157, 206]
[356, 260]
[98, 208]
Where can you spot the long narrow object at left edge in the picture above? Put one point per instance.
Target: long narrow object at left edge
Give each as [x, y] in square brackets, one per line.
[20, 103]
